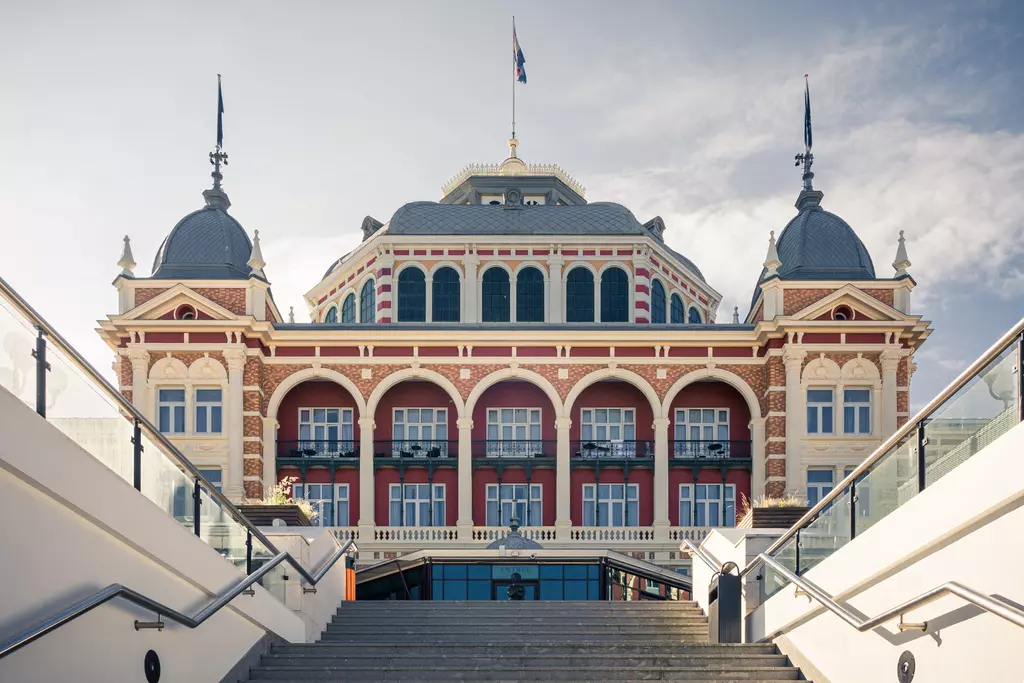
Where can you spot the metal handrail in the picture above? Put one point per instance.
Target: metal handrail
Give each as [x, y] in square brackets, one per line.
[115, 590]
[840, 489]
[153, 433]
[992, 605]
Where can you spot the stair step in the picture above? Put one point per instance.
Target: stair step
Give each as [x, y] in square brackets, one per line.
[518, 648]
[499, 673]
[522, 660]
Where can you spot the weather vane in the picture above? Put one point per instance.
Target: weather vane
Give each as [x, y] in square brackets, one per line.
[806, 158]
[218, 156]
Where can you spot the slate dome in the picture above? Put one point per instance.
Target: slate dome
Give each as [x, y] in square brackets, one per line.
[206, 244]
[514, 540]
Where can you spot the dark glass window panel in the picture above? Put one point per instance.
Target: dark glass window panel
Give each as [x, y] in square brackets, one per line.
[550, 589]
[657, 302]
[496, 296]
[438, 571]
[575, 571]
[437, 591]
[479, 590]
[480, 571]
[454, 590]
[348, 309]
[412, 296]
[614, 296]
[695, 316]
[579, 296]
[368, 303]
[593, 590]
[575, 590]
[332, 315]
[593, 571]
[551, 571]
[446, 296]
[455, 571]
[530, 296]
[678, 311]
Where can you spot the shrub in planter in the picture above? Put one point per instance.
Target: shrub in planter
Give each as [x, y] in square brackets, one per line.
[279, 504]
[771, 512]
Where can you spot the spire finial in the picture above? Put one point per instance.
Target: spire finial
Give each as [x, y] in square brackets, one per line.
[127, 262]
[256, 262]
[807, 159]
[218, 156]
[735, 315]
[902, 262]
[771, 261]
[291, 314]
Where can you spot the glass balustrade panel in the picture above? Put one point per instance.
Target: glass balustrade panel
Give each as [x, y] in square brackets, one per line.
[890, 483]
[17, 365]
[827, 534]
[771, 581]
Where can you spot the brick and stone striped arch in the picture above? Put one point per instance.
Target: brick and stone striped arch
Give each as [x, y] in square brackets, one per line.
[733, 380]
[413, 373]
[515, 374]
[613, 373]
[297, 378]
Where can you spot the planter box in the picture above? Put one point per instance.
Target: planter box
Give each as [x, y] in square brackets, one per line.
[264, 515]
[772, 518]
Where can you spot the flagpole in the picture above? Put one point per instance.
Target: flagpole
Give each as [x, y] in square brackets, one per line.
[514, 57]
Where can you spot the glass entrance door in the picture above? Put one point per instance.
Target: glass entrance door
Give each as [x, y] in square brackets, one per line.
[500, 589]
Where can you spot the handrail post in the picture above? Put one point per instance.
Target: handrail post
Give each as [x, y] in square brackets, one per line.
[853, 509]
[921, 442]
[248, 553]
[796, 564]
[41, 367]
[137, 455]
[196, 503]
[1020, 377]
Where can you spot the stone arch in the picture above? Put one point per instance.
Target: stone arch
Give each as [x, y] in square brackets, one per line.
[821, 369]
[168, 368]
[207, 368]
[515, 373]
[297, 378]
[732, 379]
[861, 369]
[413, 373]
[613, 373]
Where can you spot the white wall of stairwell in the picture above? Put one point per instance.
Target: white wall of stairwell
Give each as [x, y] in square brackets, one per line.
[68, 528]
[966, 528]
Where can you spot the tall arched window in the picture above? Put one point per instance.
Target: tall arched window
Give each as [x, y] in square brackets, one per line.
[332, 315]
[530, 296]
[412, 296]
[348, 309]
[447, 297]
[368, 303]
[614, 296]
[496, 299]
[657, 302]
[695, 318]
[579, 296]
[678, 310]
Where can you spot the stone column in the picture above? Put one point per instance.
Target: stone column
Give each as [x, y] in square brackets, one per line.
[235, 486]
[661, 491]
[793, 358]
[140, 377]
[428, 314]
[563, 519]
[757, 454]
[470, 288]
[640, 310]
[890, 361]
[386, 311]
[465, 519]
[366, 479]
[839, 418]
[270, 427]
[555, 314]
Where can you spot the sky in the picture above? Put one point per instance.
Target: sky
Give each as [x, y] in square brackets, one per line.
[688, 110]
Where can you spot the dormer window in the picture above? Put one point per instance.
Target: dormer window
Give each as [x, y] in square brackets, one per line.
[534, 200]
[492, 199]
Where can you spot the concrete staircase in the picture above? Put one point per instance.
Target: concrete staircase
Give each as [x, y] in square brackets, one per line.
[522, 641]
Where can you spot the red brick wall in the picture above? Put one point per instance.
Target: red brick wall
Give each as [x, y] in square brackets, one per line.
[714, 395]
[144, 295]
[643, 478]
[794, 300]
[514, 394]
[231, 298]
[313, 394]
[883, 295]
[484, 476]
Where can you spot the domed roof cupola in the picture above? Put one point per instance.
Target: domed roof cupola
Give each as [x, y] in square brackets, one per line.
[514, 540]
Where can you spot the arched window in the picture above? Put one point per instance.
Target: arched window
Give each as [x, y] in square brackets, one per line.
[412, 296]
[695, 318]
[447, 299]
[332, 315]
[657, 302]
[348, 309]
[368, 303]
[678, 311]
[530, 296]
[579, 296]
[614, 296]
[496, 298]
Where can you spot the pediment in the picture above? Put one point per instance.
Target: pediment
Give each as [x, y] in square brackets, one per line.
[163, 306]
[864, 306]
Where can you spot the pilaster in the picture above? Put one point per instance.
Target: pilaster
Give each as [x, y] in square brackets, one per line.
[465, 519]
[555, 314]
[366, 478]
[270, 427]
[140, 376]
[661, 492]
[793, 358]
[563, 519]
[890, 359]
[234, 488]
[757, 454]
[471, 288]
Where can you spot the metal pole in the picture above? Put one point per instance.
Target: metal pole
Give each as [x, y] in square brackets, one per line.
[853, 509]
[796, 567]
[921, 442]
[248, 552]
[137, 455]
[1020, 378]
[196, 502]
[41, 367]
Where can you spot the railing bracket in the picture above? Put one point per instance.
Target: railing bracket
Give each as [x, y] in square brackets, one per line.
[798, 591]
[309, 589]
[249, 591]
[906, 626]
[158, 624]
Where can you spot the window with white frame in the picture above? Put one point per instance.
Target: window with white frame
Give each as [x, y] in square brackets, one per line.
[527, 499]
[417, 505]
[702, 431]
[607, 431]
[170, 411]
[329, 501]
[513, 432]
[420, 431]
[820, 409]
[820, 483]
[707, 505]
[857, 411]
[209, 411]
[326, 430]
[611, 505]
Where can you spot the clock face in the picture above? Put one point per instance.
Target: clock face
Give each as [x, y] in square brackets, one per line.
[513, 197]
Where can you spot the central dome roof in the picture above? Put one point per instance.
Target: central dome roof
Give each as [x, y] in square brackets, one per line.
[207, 243]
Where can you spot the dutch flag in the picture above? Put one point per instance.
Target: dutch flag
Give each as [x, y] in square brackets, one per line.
[517, 58]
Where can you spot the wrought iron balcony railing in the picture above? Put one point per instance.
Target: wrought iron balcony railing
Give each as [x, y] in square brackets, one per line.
[709, 450]
[318, 449]
[613, 449]
[514, 448]
[416, 448]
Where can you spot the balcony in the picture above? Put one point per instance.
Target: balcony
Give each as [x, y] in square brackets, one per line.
[312, 451]
[612, 450]
[514, 448]
[410, 538]
[415, 449]
[701, 451]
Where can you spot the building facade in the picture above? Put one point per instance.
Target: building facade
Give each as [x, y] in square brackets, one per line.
[513, 350]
